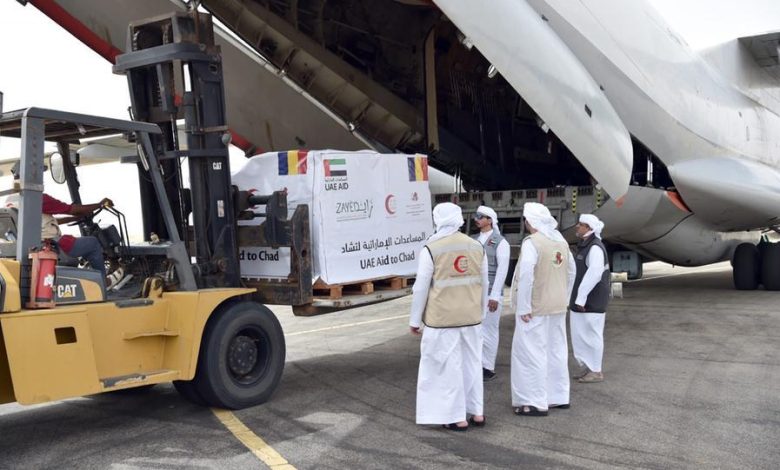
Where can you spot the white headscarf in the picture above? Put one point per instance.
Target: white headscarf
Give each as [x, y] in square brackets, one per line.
[448, 218]
[485, 210]
[596, 225]
[539, 217]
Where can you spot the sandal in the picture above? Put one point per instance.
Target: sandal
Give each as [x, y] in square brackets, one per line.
[479, 424]
[532, 411]
[581, 373]
[591, 378]
[455, 427]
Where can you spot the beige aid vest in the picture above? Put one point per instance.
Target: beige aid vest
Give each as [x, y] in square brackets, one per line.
[549, 294]
[50, 229]
[455, 296]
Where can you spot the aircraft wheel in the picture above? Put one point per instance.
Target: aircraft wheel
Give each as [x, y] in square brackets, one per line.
[770, 266]
[639, 272]
[241, 356]
[746, 267]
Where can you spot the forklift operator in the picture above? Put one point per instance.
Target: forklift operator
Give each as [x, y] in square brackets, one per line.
[86, 247]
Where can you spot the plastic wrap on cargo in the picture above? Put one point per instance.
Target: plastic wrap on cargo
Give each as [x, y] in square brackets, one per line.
[370, 213]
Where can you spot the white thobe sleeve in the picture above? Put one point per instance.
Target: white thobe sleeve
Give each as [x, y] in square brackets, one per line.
[595, 263]
[485, 282]
[422, 284]
[525, 280]
[502, 259]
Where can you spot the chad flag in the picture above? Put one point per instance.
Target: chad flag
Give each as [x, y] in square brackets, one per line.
[418, 168]
[292, 162]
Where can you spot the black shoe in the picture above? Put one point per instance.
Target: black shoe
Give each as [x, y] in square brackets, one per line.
[455, 427]
[488, 375]
[531, 411]
[479, 424]
[565, 406]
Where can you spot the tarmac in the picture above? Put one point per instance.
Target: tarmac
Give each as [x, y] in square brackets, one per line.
[692, 375]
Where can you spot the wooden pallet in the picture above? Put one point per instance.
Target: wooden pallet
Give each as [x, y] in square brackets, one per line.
[338, 291]
[393, 283]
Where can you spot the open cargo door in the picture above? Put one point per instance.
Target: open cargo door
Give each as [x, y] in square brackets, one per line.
[546, 73]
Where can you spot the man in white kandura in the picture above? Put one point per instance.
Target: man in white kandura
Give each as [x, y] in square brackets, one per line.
[497, 251]
[449, 296]
[541, 287]
[589, 300]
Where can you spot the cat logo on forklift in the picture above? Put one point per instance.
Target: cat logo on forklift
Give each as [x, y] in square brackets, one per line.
[68, 292]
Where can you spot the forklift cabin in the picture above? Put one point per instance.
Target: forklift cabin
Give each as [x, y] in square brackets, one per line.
[218, 346]
[64, 129]
[190, 320]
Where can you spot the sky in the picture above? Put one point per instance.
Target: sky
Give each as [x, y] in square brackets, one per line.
[704, 23]
[41, 64]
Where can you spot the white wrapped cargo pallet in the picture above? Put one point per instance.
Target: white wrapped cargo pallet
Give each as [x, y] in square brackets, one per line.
[370, 212]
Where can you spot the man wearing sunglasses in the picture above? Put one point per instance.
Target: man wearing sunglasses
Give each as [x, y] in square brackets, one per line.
[497, 252]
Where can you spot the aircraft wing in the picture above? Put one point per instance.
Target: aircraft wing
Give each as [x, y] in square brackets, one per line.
[764, 49]
[95, 151]
[747, 199]
[6, 163]
[537, 63]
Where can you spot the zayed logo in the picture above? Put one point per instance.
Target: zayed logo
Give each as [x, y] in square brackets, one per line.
[461, 264]
[557, 259]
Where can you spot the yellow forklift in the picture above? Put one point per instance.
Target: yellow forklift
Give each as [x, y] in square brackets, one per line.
[185, 315]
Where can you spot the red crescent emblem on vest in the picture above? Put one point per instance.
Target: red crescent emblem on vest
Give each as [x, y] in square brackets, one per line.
[461, 264]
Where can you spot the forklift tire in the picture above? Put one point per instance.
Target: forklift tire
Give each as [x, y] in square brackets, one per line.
[187, 389]
[770, 266]
[241, 356]
[747, 267]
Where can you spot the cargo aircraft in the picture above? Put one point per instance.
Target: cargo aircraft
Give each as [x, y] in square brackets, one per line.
[513, 95]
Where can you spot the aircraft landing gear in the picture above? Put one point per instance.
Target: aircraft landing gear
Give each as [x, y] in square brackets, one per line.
[770, 266]
[754, 265]
[746, 266]
[628, 262]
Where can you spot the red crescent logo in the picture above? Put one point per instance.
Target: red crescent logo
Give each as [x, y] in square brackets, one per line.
[461, 264]
[390, 204]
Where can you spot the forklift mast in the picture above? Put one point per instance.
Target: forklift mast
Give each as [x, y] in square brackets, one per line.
[174, 72]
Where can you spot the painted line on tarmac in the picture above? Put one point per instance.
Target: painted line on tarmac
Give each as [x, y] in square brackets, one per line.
[252, 441]
[347, 325]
